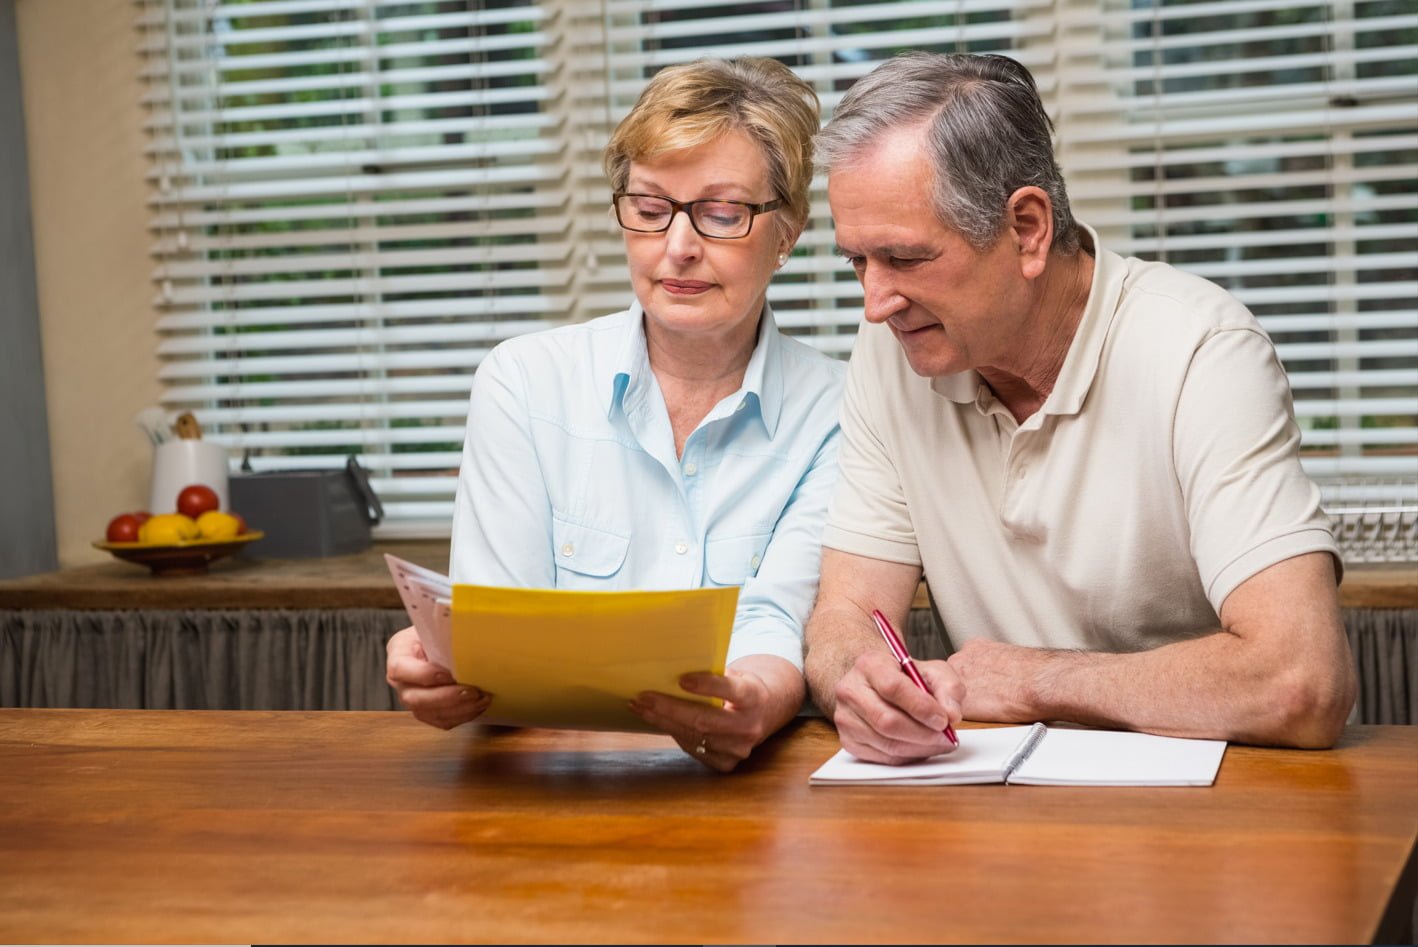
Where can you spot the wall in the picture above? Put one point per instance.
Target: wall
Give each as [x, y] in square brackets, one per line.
[26, 503]
[83, 116]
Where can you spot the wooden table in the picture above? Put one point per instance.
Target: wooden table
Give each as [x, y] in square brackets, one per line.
[361, 827]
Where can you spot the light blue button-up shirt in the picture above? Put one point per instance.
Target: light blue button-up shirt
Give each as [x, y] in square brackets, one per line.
[570, 479]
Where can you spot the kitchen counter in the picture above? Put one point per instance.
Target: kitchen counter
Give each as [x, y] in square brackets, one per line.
[361, 580]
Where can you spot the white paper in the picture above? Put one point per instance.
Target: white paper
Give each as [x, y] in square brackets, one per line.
[1064, 757]
[426, 596]
[980, 758]
[1068, 757]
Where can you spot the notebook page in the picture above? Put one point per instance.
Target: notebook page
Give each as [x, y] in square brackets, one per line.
[980, 758]
[1069, 757]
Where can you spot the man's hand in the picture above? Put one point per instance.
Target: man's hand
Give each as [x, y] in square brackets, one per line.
[998, 679]
[427, 689]
[883, 717]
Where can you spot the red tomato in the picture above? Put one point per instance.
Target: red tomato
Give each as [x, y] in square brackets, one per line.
[123, 528]
[240, 523]
[196, 499]
[142, 515]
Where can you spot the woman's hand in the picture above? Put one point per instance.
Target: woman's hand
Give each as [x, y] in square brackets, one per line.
[760, 694]
[427, 689]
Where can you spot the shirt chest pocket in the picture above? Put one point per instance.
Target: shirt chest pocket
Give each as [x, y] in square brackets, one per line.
[586, 557]
[735, 559]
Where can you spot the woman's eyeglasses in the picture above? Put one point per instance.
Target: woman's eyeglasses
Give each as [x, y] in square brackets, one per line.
[721, 220]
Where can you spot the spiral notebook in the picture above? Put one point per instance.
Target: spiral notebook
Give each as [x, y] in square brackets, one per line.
[1043, 756]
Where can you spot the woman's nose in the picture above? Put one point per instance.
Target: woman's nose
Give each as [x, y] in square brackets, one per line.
[682, 241]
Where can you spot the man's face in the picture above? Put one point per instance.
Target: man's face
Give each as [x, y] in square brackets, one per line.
[951, 307]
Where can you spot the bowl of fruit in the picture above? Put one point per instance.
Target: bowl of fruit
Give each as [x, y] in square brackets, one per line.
[183, 542]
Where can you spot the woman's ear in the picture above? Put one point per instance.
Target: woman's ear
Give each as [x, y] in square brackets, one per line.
[786, 241]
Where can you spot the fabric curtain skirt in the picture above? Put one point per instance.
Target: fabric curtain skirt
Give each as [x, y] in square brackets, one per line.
[198, 660]
[334, 659]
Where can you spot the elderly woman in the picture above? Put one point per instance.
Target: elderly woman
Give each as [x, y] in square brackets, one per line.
[682, 443]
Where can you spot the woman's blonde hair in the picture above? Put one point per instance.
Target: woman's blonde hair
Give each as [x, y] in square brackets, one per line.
[688, 105]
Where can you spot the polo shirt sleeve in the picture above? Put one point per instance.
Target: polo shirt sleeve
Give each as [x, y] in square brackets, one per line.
[501, 514]
[1236, 445]
[869, 515]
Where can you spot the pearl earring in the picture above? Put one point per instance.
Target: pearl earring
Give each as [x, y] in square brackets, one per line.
[782, 258]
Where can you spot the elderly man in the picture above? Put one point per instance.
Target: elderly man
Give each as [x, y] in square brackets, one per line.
[1094, 459]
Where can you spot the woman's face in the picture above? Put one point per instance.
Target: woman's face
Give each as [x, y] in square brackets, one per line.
[698, 288]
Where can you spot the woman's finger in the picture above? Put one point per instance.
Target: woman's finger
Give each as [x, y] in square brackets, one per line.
[445, 707]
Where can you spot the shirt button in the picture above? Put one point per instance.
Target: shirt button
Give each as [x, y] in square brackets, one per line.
[742, 405]
[691, 468]
[567, 549]
[755, 561]
[681, 547]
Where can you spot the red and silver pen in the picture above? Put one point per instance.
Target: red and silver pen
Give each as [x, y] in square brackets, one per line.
[903, 658]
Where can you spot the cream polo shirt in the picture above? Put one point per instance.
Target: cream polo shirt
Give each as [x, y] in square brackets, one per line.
[1160, 473]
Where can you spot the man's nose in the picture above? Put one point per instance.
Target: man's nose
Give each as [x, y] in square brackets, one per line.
[881, 298]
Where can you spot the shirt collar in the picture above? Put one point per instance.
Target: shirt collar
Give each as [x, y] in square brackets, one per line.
[631, 362]
[762, 387]
[1084, 352]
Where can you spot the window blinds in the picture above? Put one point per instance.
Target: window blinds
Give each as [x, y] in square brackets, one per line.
[354, 201]
[1271, 147]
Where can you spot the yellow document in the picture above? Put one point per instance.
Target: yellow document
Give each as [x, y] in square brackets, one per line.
[575, 659]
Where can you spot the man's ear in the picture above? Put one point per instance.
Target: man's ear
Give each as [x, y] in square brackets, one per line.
[1031, 227]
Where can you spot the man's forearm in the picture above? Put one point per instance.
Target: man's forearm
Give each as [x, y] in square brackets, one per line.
[840, 628]
[1213, 686]
[834, 639]
[1278, 671]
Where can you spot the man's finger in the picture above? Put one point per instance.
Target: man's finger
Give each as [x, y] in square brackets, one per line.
[895, 688]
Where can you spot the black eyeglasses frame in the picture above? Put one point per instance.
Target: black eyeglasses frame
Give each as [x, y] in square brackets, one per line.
[688, 208]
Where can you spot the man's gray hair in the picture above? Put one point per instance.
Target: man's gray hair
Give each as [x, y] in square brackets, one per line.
[985, 130]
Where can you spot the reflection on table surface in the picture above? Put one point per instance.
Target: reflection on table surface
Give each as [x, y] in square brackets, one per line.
[358, 827]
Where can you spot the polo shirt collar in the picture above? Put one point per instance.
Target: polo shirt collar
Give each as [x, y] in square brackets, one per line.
[1084, 352]
[763, 382]
[962, 387]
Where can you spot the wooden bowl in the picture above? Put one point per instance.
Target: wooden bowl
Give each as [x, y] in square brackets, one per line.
[185, 558]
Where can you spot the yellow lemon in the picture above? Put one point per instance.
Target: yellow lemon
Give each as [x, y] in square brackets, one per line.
[214, 524]
[167, 528]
